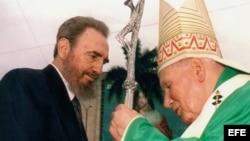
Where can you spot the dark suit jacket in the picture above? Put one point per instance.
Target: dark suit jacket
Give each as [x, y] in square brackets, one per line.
[35, 106]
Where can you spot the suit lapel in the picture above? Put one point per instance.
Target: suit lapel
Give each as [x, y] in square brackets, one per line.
[63, 105]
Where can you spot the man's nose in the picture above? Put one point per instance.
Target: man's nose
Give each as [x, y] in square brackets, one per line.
[168, 101]
[98, 66]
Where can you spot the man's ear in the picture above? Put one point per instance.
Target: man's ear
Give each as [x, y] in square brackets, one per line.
[199, 68]
[63, 47]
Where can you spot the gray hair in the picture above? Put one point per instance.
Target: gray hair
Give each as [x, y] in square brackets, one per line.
[75, 26]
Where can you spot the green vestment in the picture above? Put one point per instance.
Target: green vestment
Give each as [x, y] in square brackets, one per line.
[235, 109]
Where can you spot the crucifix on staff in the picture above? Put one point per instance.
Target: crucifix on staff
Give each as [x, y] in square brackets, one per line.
[132, 27]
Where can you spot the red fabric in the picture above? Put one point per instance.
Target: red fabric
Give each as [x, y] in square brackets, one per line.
[164, 128]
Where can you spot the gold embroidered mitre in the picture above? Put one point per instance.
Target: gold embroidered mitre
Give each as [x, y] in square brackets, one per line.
[185, 33]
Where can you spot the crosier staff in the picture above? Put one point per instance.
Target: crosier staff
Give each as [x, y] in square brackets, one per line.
[133, 26]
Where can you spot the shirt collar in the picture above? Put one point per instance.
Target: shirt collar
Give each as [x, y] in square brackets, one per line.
[70, 93]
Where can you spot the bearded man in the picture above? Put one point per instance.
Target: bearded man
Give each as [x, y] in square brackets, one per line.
[42, 105]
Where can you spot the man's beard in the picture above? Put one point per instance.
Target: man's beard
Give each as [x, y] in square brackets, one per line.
[86, 92]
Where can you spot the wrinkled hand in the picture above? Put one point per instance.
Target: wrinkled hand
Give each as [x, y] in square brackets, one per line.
[120, 119]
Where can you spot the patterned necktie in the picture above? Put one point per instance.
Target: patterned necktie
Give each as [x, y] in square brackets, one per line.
[77, 108]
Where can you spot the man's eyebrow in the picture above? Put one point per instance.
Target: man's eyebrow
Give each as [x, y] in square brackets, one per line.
[106, 60]
[95, 53]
